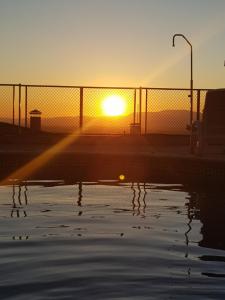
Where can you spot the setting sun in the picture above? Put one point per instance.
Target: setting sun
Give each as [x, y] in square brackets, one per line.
[113, 106]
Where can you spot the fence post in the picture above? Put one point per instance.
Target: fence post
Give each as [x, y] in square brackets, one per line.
[134, 117]
[13, 120]
[19, 122]
[191, 123]
[26, 106]
[146, 110]
[140, 106]
[200, 141]
[198, 105]
[81, 106]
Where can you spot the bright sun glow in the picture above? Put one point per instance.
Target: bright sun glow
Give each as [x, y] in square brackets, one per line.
[113, 106]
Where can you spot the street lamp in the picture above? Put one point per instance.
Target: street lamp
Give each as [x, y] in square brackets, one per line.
[191, 87]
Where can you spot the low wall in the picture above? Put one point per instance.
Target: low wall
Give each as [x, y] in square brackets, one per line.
[138, 168]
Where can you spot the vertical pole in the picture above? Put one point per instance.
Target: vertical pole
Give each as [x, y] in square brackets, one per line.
[191, 108]
[140, 106]
[199, 143]
[13, 116]
[81, 106]
[146, 110]
[191, 92]
[191, 86]
[25, 106]
[134, 117]
[19, 123]
[198, 105]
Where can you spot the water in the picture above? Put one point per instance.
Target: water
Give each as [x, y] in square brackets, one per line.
[109, 240]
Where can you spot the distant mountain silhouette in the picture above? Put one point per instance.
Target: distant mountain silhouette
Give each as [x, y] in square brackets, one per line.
[166, 121]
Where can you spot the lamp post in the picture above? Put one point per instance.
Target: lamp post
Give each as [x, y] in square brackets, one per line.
[191, 88]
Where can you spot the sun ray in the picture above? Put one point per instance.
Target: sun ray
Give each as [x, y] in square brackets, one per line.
[38, 162]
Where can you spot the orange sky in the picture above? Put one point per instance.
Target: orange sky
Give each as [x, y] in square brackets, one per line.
[108, 43]
[112, 43]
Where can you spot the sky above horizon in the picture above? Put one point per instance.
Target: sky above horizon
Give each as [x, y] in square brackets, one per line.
[112, 42]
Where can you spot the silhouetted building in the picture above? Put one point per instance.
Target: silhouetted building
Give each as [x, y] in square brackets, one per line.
[35, 120]
[214, 113]
[135, 129]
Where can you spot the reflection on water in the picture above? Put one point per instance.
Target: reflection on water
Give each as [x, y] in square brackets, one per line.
[211, 207]
[207, 207]
[80, 196]
[138, 200]
[150, 240]
[19, 204]
[79, 201]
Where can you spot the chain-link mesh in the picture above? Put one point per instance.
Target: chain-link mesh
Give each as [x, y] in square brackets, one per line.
[59, 107]
[108, 111]
[7, 115]
[168, 110]
[102, 110]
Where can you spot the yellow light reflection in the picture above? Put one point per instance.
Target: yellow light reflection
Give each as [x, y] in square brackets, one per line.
[121, 177]
[114, 105]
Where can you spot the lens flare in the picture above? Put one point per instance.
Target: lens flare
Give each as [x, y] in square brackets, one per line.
[121, 177]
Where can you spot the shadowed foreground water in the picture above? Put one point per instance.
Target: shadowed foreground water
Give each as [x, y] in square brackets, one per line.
[109, 240]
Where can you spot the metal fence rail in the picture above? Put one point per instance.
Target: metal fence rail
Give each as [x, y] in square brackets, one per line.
[68, 108]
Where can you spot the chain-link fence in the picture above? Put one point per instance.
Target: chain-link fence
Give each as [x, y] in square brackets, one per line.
[168, 111]
[59, 107]
[102, 110]
[108, 110]
[8, 105]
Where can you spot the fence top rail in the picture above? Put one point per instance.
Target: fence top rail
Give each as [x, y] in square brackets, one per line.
[175, 89]
[8, 84]
[71, 86]
[101, 87]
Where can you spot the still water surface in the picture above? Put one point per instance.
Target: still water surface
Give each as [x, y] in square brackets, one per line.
[109, 240]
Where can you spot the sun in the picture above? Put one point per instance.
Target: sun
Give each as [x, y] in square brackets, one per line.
[113, 106]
